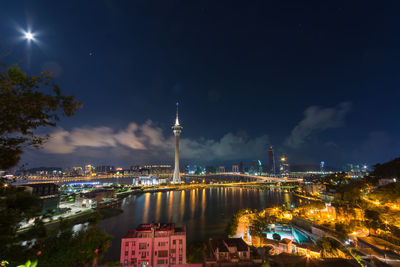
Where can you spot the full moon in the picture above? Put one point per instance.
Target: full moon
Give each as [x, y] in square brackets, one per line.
[29, 36]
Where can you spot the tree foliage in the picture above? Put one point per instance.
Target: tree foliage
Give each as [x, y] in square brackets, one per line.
[372, 218]
[389, 169]
[231, 227]
[387, 193]
[26, 104]
[16, 205]
[57, 247]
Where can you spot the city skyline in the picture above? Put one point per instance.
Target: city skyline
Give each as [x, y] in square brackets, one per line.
[315, 91]
[289, 154]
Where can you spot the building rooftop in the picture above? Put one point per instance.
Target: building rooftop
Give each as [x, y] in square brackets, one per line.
[35, 185]
[236, 242]
[224, 244]
[146, 230]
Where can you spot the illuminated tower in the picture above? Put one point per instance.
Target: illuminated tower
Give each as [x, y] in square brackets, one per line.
[271, 160]
[177, 129]
[322, 166]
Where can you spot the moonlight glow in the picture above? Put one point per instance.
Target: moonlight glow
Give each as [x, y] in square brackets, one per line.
[29, 36]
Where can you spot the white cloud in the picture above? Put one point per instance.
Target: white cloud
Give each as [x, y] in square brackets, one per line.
[56, 143]
[96, 137]
[128, 137]
[317, 119]
[148, 140]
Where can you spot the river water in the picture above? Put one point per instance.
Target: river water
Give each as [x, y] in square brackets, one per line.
[204, 212]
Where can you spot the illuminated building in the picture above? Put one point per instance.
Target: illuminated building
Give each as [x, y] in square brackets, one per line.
[160, 171]
[89, 169]
[241, 167]
[221, 169]
[78, 171]
[148, 180]
[154, 245]
[322, 166]
[235, 168]
[104, 169]
[48, 194]
[271, 160]
[177, 129]
[284, 166]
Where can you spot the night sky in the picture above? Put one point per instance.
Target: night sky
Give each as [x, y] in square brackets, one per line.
[318, 80]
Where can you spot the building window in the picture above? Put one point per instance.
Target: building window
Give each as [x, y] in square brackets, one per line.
[126, 253]
[174, 242]
[173, 250]
[160, 262]
[163, 253]
[180, 241]
[133, 252]
[133, 244]
[244, 254]
[142, 245]
[180, 250]
[126, 262]
[180, 259]
[126, 244]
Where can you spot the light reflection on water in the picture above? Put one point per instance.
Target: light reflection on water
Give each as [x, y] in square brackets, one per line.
[205, 212]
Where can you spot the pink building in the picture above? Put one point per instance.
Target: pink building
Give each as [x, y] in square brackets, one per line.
[154, 245]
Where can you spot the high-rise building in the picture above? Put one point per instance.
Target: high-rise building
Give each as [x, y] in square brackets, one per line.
[271, 160]
[221, 169]
[89, 169]
[254, 167]
[154, 245]
[241, 167]
[322, 166]
[177, 129]
[78, 171]
[104, 169]
[284, 166]
[160, 171]
[235, 168]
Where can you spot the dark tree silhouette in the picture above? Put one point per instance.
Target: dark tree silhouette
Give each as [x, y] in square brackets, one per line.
[26, 104]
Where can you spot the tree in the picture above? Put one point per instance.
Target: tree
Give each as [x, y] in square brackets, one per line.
[372, 218]
[389, 169]
[16, 205]
[26, 104]
[195, 251]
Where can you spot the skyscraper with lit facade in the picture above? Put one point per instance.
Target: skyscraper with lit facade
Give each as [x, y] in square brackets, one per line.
[271, 160]
[284, 166]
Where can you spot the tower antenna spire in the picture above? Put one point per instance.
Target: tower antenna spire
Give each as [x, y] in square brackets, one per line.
[177, 118]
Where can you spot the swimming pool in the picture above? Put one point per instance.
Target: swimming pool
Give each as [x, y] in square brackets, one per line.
[289, 232]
